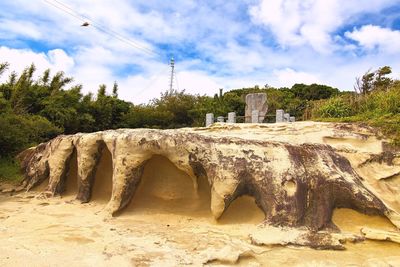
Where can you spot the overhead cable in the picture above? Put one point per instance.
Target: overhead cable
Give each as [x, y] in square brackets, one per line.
[63, 7]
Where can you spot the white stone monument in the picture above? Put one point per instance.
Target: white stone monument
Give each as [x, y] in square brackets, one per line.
[209, 119]
[279, 115]
[232, 117]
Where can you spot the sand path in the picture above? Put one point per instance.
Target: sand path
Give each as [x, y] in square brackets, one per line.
[167, 224]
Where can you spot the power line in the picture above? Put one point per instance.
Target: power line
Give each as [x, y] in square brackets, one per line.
[154, 79]
[72, 14]
[61, 6]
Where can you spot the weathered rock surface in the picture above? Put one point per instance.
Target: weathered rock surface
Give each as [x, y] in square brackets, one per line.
[377, 234]
[296, 175]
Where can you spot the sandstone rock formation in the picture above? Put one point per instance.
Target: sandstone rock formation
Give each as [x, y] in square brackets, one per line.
[297, 176]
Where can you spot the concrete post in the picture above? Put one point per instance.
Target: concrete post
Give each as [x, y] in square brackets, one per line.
[232, 117]
[254, 116]
[209, 119]
[220, 119]
[279, 115]
[286, 117]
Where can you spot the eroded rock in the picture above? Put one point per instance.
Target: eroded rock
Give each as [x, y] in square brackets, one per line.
[295, 184]
[377, 234]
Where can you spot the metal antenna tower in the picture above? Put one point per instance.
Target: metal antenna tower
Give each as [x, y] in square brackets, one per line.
[171, 82]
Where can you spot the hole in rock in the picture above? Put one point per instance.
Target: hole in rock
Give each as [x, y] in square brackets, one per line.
[165, 189]
[290, 187]
[102, 184]
[352, 221]
[243, 210]
[71, 183]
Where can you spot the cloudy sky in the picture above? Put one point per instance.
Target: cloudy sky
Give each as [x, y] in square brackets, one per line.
[216, 44]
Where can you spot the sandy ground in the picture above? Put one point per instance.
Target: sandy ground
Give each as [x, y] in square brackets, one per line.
[167, 224]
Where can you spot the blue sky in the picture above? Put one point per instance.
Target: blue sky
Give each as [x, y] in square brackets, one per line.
[216, 44]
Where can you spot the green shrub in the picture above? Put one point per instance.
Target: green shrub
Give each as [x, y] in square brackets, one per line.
[18, 132]
[379, 108]
[9, 170]
[336, 107]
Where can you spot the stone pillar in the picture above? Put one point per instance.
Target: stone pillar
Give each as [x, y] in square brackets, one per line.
[209, 119]
[292, 119]
[256, 102]
[232, 117]
[220, 119]
[279, 115]
[255, 116]
[286, 117]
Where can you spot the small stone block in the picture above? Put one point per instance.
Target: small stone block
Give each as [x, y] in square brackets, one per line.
[255, 116]
[279, 115]
[286, 117]
[209, 119]
[232, 117]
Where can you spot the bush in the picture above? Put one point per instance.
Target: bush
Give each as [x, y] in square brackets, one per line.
[381, 102]
[378, 108]
[336, 107]
[9, 170]
[18, 132]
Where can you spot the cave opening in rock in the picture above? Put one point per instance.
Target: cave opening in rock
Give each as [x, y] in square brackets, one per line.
[242, 210]
[350, 220]
[165, 189]
[71, 179]
[102, 184]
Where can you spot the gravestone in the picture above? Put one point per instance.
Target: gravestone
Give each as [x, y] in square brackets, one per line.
[286, 117]
[279, 115]
[220, 119]
[257, 102]
[232, 117]
[209, 119]
[292, 119]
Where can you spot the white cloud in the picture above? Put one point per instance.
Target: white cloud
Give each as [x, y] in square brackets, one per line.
[19, 59]
[299, 22]
[287, 77]
[91, 68]
[59, 60]
[226, 49]
[11, 29]
[371, 37]
[138, 89]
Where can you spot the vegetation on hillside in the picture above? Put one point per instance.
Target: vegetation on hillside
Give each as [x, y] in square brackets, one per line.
[376, 102]
[33, 110]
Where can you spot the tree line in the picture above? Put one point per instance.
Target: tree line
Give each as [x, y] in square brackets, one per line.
[33, 110]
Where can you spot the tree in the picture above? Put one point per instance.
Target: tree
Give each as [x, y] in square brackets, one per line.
[3, 67]
[115, 90]
[381, 81]
[313, 91]
[372, 81]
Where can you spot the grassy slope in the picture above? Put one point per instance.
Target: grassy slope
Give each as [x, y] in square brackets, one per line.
[379, 109]
[10, 171]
